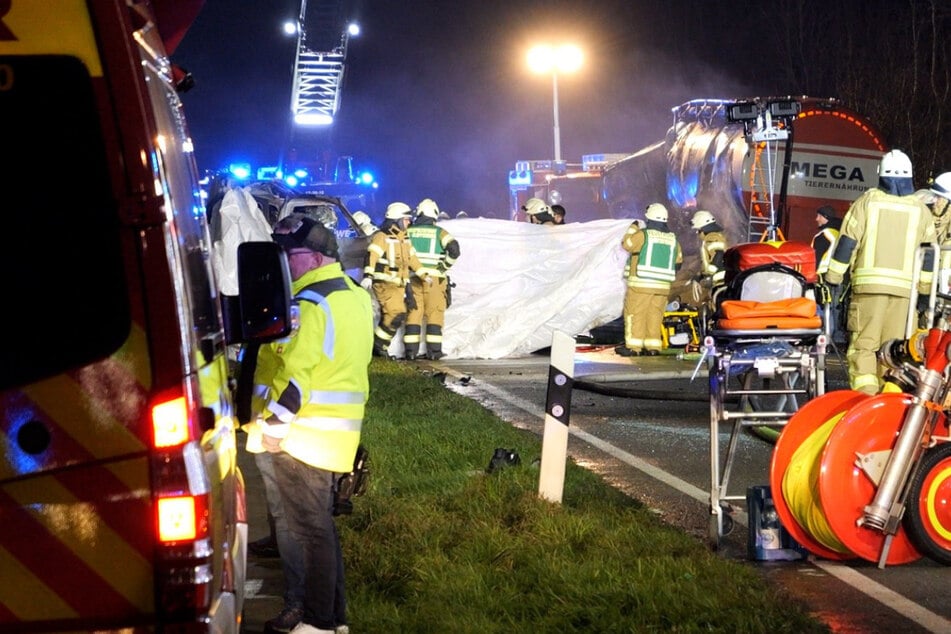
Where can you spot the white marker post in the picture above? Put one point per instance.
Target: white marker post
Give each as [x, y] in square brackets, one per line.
[551, 481]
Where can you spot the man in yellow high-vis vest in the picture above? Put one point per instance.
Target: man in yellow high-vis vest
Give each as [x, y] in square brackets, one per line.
[311, 390]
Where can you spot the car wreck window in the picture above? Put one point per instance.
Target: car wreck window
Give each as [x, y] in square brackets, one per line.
[63, 285]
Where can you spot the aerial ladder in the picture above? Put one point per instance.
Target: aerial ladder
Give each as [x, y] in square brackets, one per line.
[319, 64]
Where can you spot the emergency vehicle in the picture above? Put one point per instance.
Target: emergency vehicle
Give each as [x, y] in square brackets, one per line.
[820, 153]
[121, 504]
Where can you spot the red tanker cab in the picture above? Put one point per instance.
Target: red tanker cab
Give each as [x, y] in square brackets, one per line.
[121, 503]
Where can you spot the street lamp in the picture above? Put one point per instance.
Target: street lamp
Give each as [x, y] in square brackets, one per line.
[550, 59]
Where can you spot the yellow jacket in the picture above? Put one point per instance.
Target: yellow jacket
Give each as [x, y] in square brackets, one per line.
[315, 381]
[391, 257]
[880, 234]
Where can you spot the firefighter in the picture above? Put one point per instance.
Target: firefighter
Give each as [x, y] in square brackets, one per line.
[880, 234]
[652, 267]
[940, 207]
[437, 251]
[310, 394]
[390, 260]
[823, 244]
[712, 248]
[538, 212]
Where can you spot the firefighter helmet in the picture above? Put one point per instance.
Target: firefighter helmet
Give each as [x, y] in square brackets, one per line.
[895, 164]
[656, 211]
[942, 185]
[701, 219]
[395, 211]
[535, 206]
[427, 207]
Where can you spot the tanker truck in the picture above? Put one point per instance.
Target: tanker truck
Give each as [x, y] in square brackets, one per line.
[762, 166]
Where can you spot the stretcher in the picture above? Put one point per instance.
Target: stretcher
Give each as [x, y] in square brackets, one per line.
[764, 345]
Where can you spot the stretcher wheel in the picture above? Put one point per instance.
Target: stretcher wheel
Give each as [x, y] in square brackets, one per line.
[799, 427]
[928, 512]
[845, 490]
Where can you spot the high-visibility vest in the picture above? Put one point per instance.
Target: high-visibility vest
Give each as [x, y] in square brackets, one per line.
[831, 235]
[658, 256]
[316, 380]
[430, 243]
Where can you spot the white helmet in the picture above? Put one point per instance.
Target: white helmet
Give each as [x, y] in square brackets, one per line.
[395, 211]
[895, 164]
[701, 219]
[427, 207]
[656, 211]
[535, 206]
[942, 186]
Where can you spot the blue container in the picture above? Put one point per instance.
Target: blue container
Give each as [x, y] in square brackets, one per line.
[768, 540]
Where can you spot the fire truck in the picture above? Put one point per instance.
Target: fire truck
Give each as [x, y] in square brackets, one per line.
[756, 164]
[122, 505]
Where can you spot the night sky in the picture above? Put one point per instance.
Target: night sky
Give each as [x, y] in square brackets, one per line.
[438, 98]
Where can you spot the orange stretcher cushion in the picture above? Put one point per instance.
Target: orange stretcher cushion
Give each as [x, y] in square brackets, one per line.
[799, 256]
[793, 313]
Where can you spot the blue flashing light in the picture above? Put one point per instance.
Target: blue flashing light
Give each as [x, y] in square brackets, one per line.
[240, 171]
[366, 178]
[300, 173]
[291, 180]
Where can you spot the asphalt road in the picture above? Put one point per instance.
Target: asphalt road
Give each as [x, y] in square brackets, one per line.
[644, 425]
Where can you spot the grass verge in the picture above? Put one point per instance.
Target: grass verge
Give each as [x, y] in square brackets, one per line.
[439, 545]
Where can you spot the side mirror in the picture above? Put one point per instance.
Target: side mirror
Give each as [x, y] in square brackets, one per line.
[261, 311]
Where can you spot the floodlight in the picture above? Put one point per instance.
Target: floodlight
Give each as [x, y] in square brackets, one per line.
[743, 111]
[786, 108]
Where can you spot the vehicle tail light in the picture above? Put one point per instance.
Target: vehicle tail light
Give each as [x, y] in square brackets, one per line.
[180, 488]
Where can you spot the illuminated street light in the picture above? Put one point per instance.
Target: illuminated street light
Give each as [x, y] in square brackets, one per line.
[566, 58]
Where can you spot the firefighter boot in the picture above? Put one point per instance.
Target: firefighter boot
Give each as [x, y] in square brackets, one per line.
[380, 348]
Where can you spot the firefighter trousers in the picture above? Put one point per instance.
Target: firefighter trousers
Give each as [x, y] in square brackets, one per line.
[644, 318]
[873, 319]
[392, 299]
[431, 309]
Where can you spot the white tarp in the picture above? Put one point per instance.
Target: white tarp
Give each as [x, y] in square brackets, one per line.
[516, 283]
[239, 219]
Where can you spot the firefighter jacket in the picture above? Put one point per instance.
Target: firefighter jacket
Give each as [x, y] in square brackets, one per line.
[391, 256]
[436, 249]
[879, 237]
[315, 381]
[823, 243]
[712, 247]
[655, 257]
